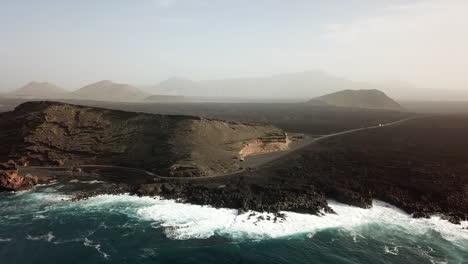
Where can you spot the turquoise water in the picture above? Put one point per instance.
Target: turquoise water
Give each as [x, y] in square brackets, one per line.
[40, 226]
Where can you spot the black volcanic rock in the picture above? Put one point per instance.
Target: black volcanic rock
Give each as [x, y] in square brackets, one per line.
[49, 133]
[374, 99]
[419, 166]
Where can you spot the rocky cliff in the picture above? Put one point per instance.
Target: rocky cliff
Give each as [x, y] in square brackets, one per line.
[49, 133]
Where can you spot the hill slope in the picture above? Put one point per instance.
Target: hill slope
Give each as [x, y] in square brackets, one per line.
[35, 90]
[49, 133]
[109, 91]
[374, 99]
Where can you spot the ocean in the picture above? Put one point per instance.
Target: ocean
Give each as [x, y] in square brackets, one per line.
[42, 226]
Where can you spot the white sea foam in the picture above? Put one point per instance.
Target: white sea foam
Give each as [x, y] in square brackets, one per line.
[87, 182]
[120, 199]
[39, 216]
[43, 193]
[50, 196]
[89, 243]
[93, 182]
[5, 240]
[184, 221]
[391, 250]
[47, 237]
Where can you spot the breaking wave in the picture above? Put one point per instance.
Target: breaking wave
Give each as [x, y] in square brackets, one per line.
[114, 227]
[185, 221]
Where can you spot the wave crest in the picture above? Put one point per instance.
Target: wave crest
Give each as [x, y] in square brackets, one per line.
[185, 221]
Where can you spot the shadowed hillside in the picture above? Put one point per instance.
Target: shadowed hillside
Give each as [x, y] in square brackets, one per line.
[49, 133]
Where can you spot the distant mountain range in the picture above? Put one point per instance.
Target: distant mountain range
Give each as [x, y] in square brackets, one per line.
[99, 91]
[297, 85]
[306, 85]
[284, 87]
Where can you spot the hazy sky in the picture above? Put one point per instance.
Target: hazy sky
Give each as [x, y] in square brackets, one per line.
[75, 42]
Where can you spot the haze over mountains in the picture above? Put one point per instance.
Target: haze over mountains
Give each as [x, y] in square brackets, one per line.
[177, 86]
[284, 87]
[38, 90]
[99, 91]
[109, 91]
[307, 84]
[295, 85]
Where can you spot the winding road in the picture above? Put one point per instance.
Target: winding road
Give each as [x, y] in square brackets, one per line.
[256, 161]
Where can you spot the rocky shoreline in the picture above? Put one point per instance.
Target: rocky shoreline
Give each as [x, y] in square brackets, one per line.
[12, 180]
[409, 165]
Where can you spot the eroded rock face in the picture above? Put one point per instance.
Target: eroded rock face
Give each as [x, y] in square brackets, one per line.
[265, 145]
[11, 180]
[58, 134]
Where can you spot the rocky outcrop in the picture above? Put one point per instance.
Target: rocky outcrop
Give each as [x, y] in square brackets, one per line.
[11, 180]
[243, 195]
[58, 134]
